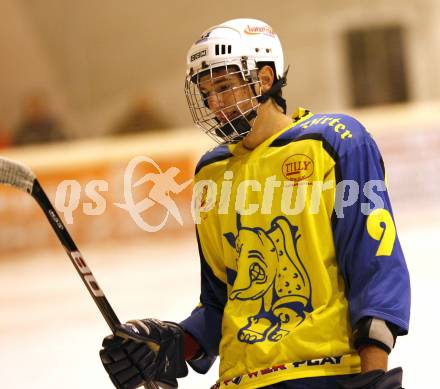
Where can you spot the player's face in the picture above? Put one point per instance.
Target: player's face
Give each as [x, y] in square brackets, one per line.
[227, 94]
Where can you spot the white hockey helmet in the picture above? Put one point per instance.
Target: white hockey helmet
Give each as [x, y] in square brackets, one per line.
[238, 46]
[241, 42]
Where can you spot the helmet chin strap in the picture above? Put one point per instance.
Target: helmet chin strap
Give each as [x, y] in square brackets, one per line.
[241, 124]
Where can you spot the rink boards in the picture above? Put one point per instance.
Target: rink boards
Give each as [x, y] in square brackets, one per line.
[89, 181]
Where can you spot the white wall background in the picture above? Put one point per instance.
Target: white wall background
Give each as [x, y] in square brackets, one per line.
[93, 56]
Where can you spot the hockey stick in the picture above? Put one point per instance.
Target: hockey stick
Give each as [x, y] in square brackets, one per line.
[21, 177]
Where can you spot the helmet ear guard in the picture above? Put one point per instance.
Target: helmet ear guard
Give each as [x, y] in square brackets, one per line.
[275, 92]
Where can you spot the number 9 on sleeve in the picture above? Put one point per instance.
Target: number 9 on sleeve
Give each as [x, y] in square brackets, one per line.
[380, 227]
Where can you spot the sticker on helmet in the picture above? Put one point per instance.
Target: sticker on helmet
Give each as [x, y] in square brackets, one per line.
[198, 55]
[203, 37]
[256, 30]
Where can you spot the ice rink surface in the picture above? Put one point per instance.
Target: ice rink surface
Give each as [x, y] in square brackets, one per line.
[50, 329]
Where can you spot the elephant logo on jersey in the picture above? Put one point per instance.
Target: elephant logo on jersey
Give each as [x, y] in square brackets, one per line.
[270, 270]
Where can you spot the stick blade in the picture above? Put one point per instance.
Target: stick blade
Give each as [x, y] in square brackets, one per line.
[17, 175]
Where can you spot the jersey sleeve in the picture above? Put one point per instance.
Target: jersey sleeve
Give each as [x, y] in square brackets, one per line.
[367, 246]
[205, 321]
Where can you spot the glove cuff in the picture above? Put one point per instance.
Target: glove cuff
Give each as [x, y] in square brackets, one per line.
[172, 352]
[376, 379]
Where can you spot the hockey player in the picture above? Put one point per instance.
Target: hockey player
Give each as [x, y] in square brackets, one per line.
[291, 297]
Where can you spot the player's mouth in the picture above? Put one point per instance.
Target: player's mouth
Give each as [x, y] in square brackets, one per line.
[224, 117]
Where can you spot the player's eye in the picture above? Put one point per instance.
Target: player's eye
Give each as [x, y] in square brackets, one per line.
[223, 88]
[257, 273]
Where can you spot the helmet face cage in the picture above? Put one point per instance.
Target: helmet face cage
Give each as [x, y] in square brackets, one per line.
[232, 120]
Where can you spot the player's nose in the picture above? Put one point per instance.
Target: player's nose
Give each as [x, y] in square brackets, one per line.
[215, 102]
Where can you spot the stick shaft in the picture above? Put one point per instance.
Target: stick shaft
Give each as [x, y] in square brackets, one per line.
[78, 262]
[76, 257]
[21, 177]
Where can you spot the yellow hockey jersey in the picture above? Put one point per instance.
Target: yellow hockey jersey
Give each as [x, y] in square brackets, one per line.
[297, 243]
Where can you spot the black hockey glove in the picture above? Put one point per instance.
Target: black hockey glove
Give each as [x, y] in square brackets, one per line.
[143, 351]
[375, 379]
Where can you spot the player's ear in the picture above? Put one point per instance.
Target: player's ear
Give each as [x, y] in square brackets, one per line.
[266, 77]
